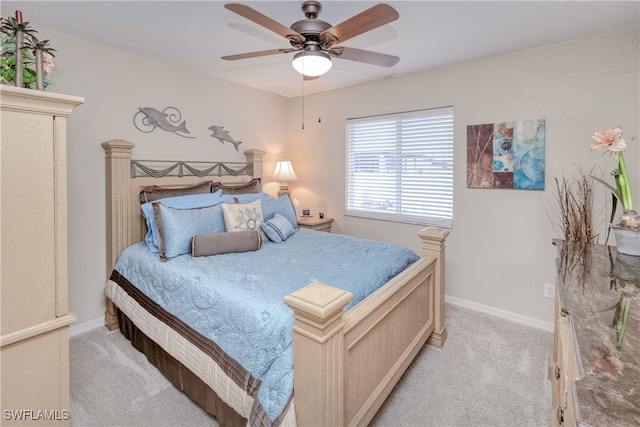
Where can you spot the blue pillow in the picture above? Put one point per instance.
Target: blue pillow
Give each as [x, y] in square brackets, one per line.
[179, 202]
[278, 229]
[176, 227]
[250, 197]
[283, 206]
[193, 200]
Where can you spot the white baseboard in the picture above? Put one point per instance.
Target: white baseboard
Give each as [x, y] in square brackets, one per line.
[81, 328]
[509, 315]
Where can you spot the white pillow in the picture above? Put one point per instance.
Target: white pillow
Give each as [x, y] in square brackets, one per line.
[242, 216]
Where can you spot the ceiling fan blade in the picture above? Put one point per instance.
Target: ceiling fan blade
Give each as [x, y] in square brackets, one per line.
[256, 54]
[374, 17]
[265, 21]
[366, 56]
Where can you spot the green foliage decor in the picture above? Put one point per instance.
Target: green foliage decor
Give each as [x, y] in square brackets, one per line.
[9, 27]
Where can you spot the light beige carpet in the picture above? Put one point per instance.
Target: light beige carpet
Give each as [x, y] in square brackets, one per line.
[490, 372]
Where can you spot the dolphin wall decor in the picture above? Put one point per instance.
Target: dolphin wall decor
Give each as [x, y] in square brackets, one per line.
[223, 135]
[168, 120]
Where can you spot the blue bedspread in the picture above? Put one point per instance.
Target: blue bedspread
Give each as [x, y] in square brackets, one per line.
[237, 300]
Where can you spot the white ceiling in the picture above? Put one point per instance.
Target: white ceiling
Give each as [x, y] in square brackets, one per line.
[195, 34]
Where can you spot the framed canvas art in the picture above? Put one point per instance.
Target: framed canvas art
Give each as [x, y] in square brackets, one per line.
[506, 155]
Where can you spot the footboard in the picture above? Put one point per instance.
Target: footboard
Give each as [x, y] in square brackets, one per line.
[346, 364]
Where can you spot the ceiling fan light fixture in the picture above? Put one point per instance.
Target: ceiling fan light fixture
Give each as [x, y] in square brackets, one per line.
[312, 63]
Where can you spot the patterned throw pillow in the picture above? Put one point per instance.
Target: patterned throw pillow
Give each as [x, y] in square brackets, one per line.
[243, 216]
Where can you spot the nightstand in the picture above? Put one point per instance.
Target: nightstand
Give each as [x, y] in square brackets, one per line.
[314, 223]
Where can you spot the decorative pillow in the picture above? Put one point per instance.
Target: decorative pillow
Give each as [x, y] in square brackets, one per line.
[242, 216]
[278, 229]
[153, 192]
[225, 243]
[252, 186]
[283, 206]
[250, 197]
[180, 202]
[194, 200]
[176, 227]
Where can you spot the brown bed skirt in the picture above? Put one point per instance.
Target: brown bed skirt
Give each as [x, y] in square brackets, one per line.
[180, 376]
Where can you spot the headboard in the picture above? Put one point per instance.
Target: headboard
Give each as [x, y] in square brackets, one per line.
[125, 179]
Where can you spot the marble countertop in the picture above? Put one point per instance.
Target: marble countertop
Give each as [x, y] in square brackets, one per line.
[594, 284]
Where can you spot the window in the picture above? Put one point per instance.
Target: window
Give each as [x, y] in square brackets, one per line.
[400, 167]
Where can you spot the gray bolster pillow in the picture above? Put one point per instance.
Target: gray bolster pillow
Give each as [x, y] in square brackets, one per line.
[224, 243]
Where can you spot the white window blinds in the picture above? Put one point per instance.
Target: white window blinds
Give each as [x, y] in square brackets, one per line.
[400, 167]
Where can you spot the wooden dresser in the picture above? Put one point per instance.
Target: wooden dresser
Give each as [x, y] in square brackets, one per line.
[595, 366]
[34, 316]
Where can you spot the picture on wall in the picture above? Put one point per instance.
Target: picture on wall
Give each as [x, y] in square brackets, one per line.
[506, 155]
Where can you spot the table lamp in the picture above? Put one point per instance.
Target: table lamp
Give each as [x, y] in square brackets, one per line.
[284, 173]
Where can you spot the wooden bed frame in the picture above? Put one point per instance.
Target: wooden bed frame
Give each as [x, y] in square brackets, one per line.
[346, 363]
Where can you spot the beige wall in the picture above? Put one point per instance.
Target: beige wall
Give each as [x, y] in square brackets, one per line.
[499, 253]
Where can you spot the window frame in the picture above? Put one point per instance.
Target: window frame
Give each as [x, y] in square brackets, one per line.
[423, 142]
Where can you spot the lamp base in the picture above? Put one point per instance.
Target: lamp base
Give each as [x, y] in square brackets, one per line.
[284, 189]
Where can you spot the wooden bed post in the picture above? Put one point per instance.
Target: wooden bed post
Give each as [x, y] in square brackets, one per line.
[255, 156]
[319, 353]
[433, 244]
[118, 173]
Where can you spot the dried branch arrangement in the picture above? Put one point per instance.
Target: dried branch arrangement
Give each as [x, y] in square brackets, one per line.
[575, 207]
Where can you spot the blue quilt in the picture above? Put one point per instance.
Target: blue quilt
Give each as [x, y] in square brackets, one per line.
[237, 300]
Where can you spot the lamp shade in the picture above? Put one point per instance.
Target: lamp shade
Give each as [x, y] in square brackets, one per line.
[284, 172]
[312, 63]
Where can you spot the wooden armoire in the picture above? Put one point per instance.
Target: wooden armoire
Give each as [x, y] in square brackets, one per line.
[34, 312]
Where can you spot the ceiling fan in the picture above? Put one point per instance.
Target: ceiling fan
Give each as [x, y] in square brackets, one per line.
[316, 41]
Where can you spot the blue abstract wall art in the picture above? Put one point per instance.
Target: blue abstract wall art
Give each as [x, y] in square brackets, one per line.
[506, 155]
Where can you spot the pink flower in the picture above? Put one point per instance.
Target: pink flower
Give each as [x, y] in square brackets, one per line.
[609, 139]
[47, 62]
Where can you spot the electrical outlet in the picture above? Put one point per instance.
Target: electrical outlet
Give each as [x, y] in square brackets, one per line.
[549, 290]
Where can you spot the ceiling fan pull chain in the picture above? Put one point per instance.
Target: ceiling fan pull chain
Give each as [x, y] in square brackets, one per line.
[303, 102]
